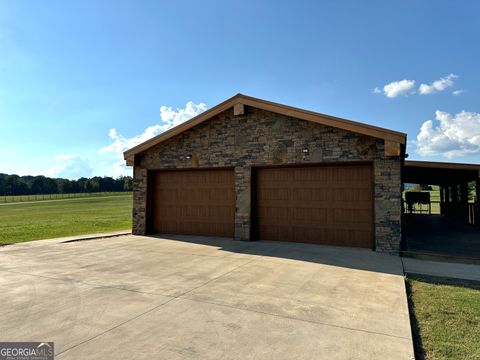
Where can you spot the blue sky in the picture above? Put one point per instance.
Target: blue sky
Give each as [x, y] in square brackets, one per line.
[71, 71]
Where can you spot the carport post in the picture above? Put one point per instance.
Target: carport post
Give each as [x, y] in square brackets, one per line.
[446, 208]
[464, 201]
[455, 193]
[477, 200]
[455, 203]
[442, 200]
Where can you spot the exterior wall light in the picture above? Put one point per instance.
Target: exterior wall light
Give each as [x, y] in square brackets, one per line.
[305, 151]
[188, 157]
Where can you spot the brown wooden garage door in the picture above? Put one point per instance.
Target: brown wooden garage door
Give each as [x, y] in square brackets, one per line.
[324, 205]
[194, 202]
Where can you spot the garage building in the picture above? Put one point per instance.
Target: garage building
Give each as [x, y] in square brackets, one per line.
[251, 169]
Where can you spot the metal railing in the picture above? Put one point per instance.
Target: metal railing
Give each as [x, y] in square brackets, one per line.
[432, 208]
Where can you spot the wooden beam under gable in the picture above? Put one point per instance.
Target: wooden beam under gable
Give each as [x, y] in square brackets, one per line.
[392, 148]
[238, 109]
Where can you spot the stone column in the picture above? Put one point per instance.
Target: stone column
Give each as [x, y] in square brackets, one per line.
[140, 179]
[243, 191]
[388, 205]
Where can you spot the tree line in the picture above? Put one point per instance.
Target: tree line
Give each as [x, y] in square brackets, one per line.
[33, 185]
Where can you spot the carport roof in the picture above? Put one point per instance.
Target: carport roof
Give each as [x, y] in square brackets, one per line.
[349, 125]
[439, 173]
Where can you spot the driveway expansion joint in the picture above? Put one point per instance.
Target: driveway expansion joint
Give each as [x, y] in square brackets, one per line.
[152, 309]
[295, 319]
[93, 285]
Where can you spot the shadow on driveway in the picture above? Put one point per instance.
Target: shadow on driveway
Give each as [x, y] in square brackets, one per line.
[347, 257]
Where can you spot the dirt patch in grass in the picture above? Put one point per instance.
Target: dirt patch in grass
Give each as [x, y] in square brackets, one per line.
[445, 317]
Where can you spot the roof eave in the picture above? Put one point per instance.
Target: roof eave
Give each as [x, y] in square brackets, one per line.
[442, 165]
[286, 110]
[187, 125]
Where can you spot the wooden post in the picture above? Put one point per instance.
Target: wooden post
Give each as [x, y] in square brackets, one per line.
[477, 200]
[464, 201]
[447, 201]
[454, 204]
[442, 199]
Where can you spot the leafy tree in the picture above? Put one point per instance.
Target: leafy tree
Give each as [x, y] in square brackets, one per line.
[3, 183]
[127, 183]
[471, 191]
[106, 184]
[92, 185]
[27, 185]
[12, 186]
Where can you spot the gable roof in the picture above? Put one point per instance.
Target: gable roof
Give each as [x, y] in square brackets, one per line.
[349, 125]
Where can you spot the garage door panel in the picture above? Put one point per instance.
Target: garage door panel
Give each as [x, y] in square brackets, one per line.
[193, 202]
[168, 227]
[325, 204]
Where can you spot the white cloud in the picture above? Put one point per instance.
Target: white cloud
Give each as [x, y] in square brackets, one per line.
[397, 88]
[71, 166]
[407, 87]
[455, 135]
[168, 119]
[438, 85]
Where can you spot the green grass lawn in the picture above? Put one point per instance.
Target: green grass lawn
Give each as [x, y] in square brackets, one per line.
[446, 320]
[42, 220]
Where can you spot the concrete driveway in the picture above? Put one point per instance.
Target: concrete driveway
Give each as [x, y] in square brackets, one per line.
[132, 297]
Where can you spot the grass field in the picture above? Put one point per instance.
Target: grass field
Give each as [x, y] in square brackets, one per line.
[446, 320]
[21, 222]
[25, 198]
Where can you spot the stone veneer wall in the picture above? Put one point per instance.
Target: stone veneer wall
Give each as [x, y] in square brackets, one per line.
[264, 138]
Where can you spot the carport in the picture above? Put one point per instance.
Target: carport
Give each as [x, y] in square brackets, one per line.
[453, 230]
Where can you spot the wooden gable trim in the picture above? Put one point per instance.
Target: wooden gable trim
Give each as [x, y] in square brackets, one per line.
[327, 120]
[349, 125]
